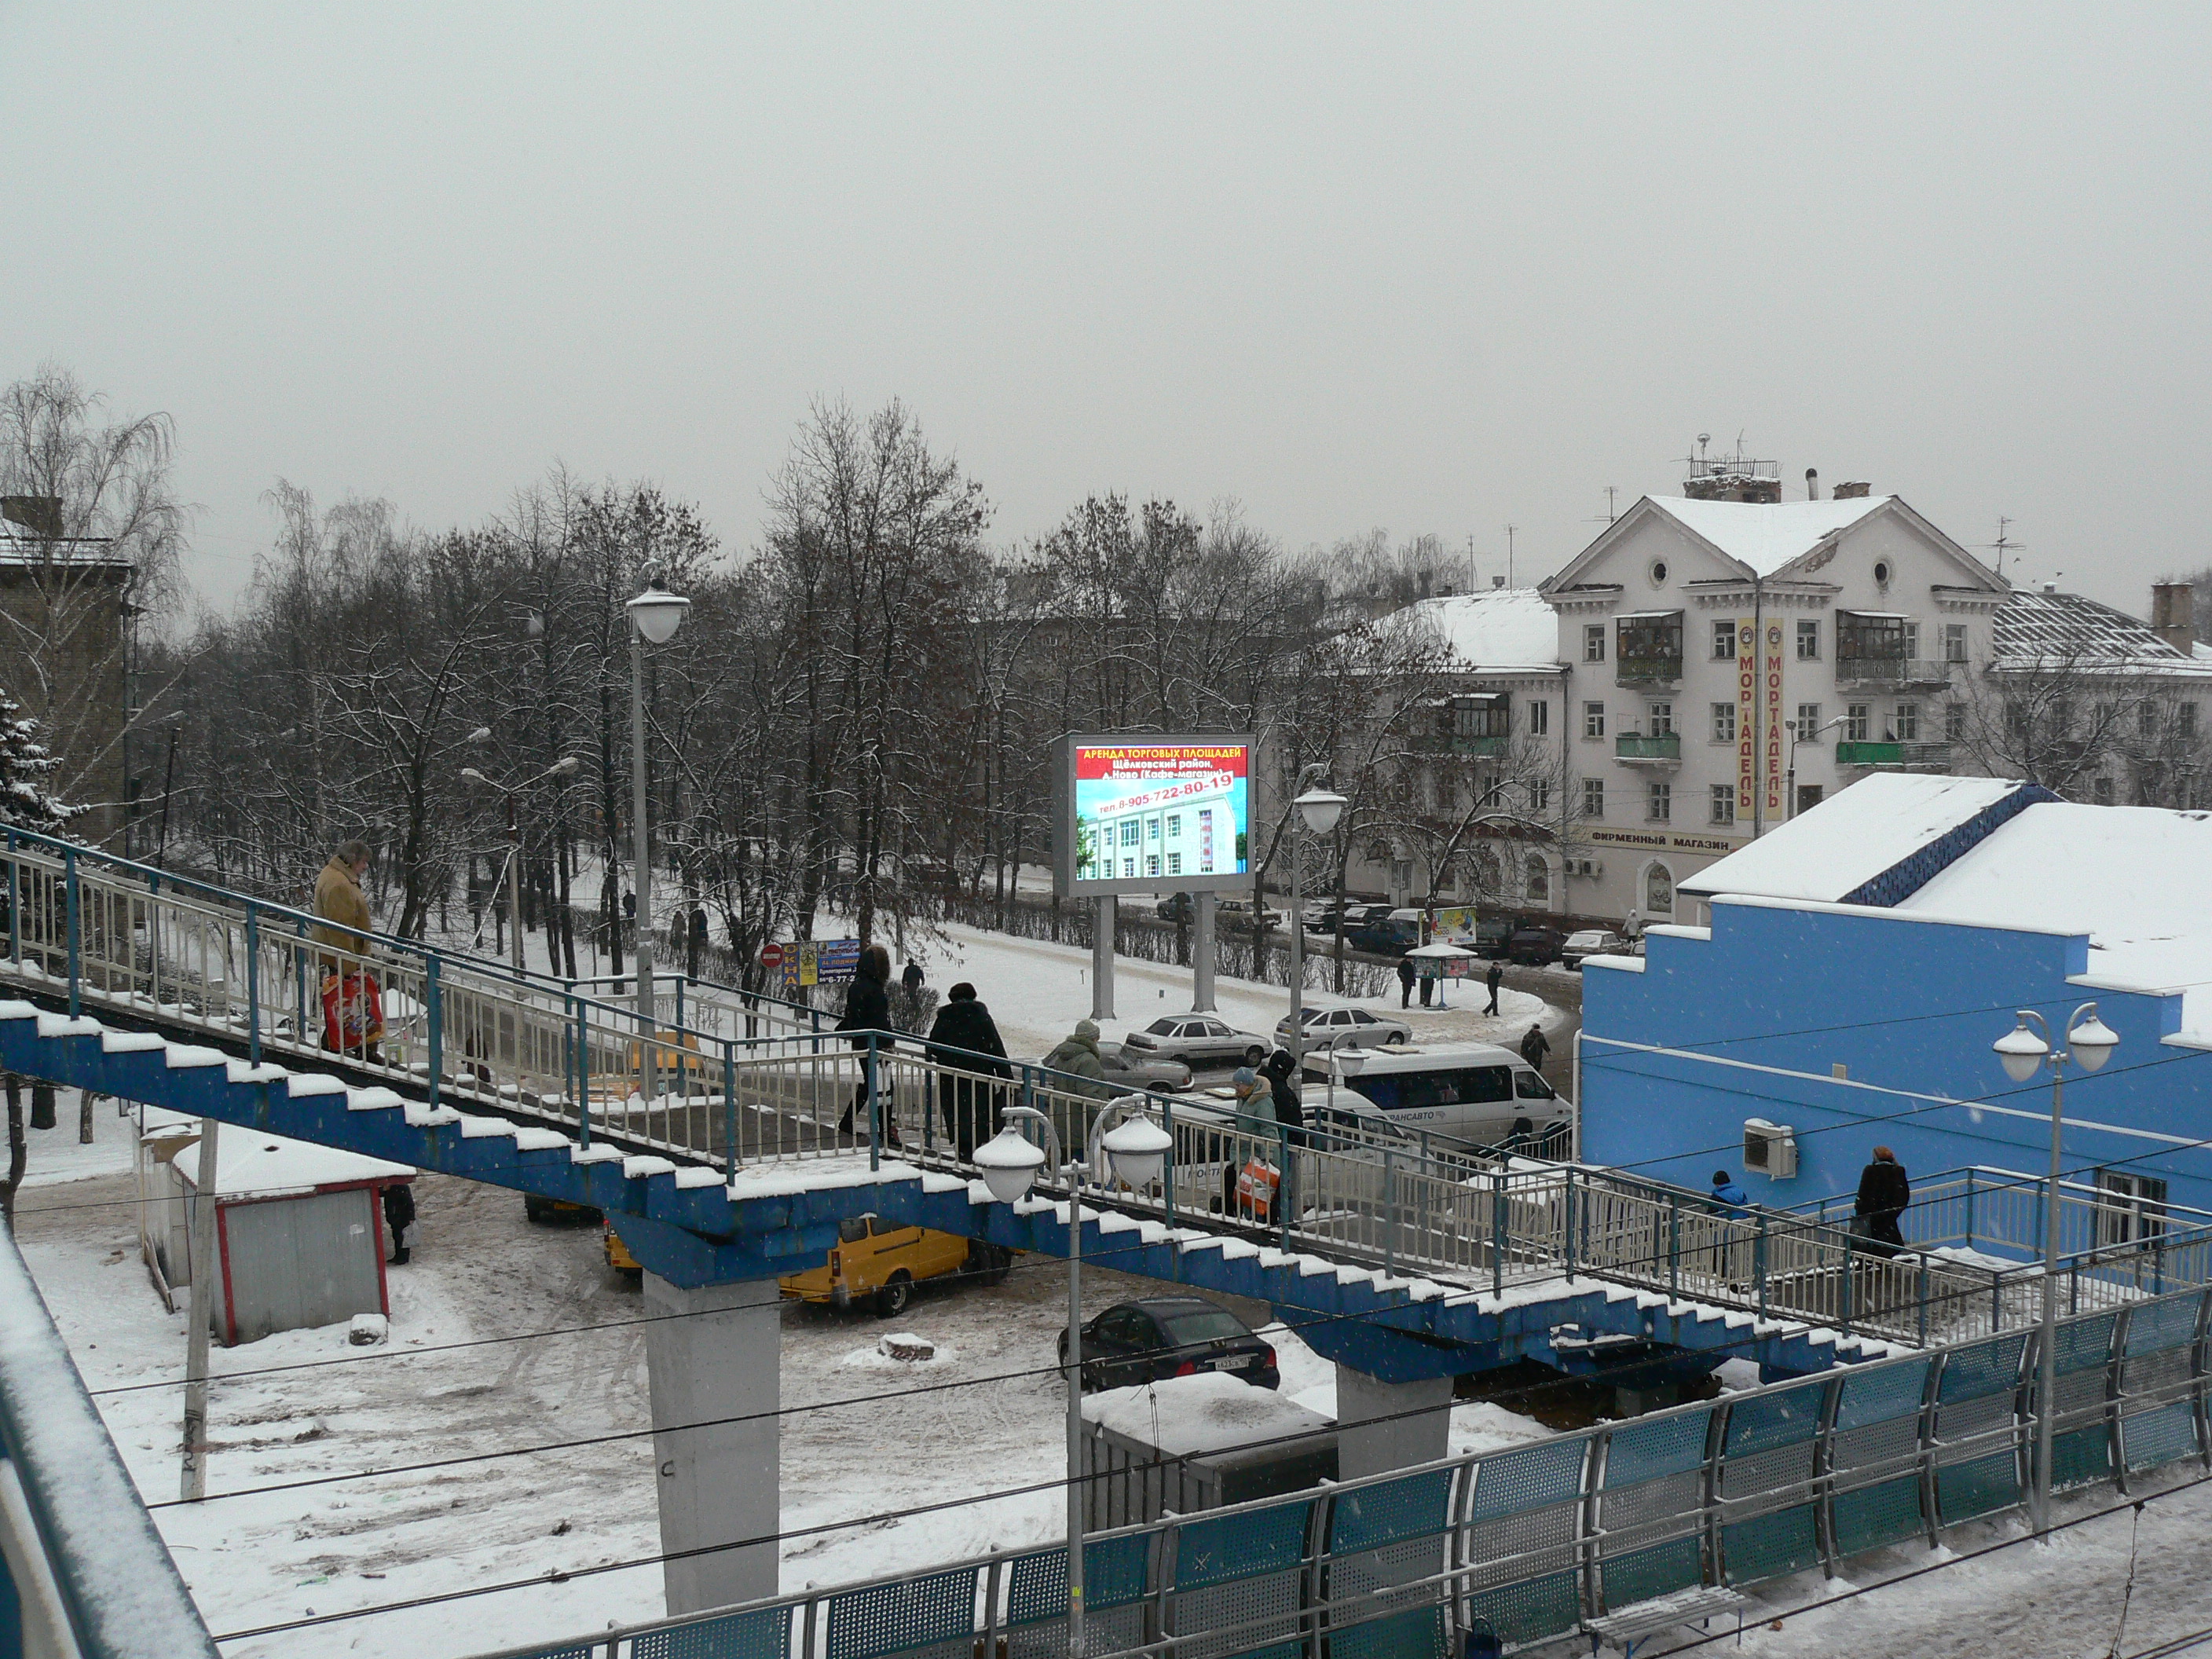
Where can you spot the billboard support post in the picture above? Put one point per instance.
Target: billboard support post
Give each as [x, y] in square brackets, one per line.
[1202, 951]
[1103, 919]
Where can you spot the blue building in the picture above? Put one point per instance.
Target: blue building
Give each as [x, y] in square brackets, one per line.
[1858, 961]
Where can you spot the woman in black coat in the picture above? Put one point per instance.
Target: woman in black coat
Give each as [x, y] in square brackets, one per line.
[971, 1109]
[1884, 1192]
[868, 1008]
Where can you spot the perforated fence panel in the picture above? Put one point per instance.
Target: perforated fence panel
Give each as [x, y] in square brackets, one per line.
[1978, 1429]
[932, 1618]
[1873, 1456]
[1769, 1524]
[1240, 1584]
[2158, 1416]
[2082, 1434]
[1523, 1542]
[763, 1634]
[1386, 1546]
[1652, 1509]
[1115, 1581]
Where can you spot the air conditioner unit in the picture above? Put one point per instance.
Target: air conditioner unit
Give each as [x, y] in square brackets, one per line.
[1589, 867]
[1770, 1149]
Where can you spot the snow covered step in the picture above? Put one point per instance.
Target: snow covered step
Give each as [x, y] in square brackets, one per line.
[183, 1056]
[131, 1042]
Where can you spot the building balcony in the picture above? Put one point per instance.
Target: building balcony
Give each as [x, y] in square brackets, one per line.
[1648, 671]
[1895, 757]
[1660, 749]
[1453, 742]
[1891, 671]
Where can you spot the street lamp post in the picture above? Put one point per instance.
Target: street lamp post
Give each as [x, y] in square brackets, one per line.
[1318, 811]
[564, 768]
[1790, 784]
[655, 615]
[2089, 1042]
[1010, 1161]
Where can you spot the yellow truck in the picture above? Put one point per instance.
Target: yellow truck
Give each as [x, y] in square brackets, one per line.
[874, 1261]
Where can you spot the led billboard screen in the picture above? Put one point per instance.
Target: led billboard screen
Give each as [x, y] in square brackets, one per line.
[1154, 815]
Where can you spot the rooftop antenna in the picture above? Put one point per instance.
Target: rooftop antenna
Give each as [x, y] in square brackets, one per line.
[1509, 529]
[2004, 544]
[1611, 515]
[1471, 583]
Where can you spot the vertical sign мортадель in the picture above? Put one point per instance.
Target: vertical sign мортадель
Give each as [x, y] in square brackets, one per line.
[1159, 815]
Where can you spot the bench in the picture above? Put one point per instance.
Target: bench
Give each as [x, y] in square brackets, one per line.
[1625, 1628]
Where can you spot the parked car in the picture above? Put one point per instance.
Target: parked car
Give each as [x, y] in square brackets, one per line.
[1532, 946]
[1176, 907]
[1164, 1336]
[1200, 1040]
[1592, 942]
[1131, 1070]
[1240, 913]
[880, 1263]
[1345, 1027]
[1490, 936]
[1385, 937]
[1469, 1091]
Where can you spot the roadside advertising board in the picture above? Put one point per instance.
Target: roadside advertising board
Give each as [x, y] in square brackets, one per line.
[1141, 813]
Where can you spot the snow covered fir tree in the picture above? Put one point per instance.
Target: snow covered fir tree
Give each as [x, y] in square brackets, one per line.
[27, 801]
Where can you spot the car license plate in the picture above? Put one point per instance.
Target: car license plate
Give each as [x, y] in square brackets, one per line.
[1233, 1362]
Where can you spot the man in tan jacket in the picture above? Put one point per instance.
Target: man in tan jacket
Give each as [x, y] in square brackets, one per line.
[353, 1004]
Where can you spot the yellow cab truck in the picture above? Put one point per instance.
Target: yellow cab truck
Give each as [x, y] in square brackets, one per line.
[874, 1262]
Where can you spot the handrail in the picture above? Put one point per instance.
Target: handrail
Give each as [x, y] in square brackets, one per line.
[121, 1593]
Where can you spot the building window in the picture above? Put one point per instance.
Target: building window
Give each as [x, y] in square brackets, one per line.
[1659, 802]
[1809, 721]
[1593, 720]
[1723, 722]
[1723, 642]
[2130, 1207]
[1152, 828]
[1539, 794]
[1808, 795]
[2146, 719]
[1539, 880]
[1151, 864]
[1662, 720]
[1174, 864]
[1908, 722]
[1129, 869]
[1955, 722]
[1593, 642]
[1650, 645]
[1658, 892]
[1130, 830]
[1593, 798]
[1954, 641]
[1174, 825]
[2185, 719]
[1724, 803]
[1539, 719]
[1808, 639]
[1864, 637]
[1855, 722]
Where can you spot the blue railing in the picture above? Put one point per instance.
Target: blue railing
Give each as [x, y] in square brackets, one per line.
[89, 1572]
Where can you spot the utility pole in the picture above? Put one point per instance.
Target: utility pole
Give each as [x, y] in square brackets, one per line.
[193, 1485]
[1509, 529]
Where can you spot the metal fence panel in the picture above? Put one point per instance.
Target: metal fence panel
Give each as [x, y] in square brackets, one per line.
[1115, 1586]
[1651, 1514]
[764, 1633]
[1873, 1456]
[1978, 1429]
[932, 1617]
[1766, 1484]
[1240, 1583]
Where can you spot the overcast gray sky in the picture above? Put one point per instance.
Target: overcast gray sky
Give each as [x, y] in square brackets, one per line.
[1432, 269]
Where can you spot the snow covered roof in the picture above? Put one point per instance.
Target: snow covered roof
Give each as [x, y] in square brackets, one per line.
[2137, 879]
[1766, 535]
[252, 1164]
[1502, 627]
[2033, 629]
[88, 552]
[1210, 1412]
[1851, 838]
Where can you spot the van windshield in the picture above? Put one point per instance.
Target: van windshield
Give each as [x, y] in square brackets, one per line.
[1468, 1086]
[1530, 1086]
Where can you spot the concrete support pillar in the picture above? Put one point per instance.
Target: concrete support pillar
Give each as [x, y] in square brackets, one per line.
[1202, 954]
[717, 1359]
[1102, 956]
[1380, 1426]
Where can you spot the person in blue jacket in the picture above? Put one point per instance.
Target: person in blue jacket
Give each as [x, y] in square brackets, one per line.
[1727, 1197]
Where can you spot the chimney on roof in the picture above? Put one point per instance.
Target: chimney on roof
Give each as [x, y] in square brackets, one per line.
[1853, 492]
[1812, 484]
[1497, 582]
[2172, 614]
[40, 514]
[2050, 587]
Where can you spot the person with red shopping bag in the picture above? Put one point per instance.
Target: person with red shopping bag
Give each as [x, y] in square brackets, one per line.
[1252, 1188]
[353, 1002]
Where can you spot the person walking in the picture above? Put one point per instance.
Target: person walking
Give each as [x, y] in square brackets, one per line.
[868, 1008]
[1405, 977]
[1491, 981]
[400, 1216]
[913, 977]
[1077, 1054]
[971, 1107]
[353, 1004]
[1535, 1046]
[1284, 1094]
[1885, 1193]
[1729, 1198]
[1243, 1189]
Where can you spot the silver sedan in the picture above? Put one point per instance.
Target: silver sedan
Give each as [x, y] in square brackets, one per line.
[1200, 1040]
[1345, 1027]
